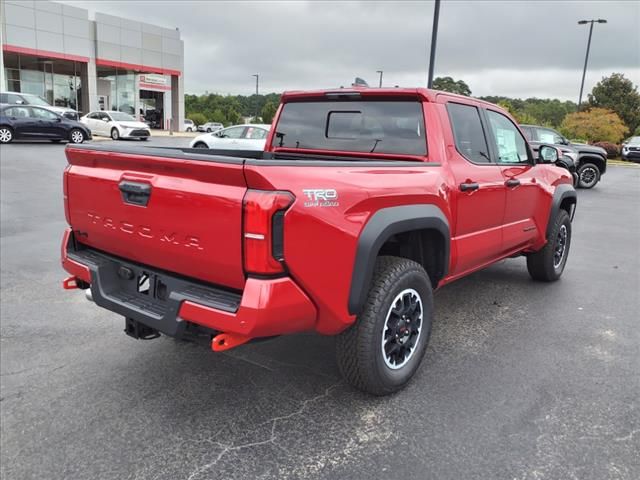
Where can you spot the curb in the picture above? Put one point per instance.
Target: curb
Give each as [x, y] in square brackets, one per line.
[620, 163]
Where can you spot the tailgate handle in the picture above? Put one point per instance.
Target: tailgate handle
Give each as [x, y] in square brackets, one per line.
[135, 193]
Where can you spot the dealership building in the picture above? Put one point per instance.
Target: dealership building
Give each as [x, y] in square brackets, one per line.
[92, 61]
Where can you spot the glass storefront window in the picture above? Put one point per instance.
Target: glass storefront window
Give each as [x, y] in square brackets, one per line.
[57, 81]
[121, 89]
[126, 92]
[64, 91]
[32, 81]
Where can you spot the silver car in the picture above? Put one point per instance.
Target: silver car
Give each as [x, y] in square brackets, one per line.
[17, 98]
[210, 127]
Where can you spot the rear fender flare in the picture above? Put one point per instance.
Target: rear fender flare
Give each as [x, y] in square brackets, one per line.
[561, 193]
[380, 227]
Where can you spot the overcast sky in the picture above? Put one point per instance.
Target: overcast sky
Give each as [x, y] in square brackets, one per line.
[513, 48]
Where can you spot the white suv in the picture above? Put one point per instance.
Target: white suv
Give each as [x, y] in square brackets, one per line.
[17, 98]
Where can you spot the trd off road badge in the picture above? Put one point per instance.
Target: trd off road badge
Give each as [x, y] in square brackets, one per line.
[321, 197]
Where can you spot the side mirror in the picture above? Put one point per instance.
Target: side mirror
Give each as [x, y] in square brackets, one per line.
[58, 119]
[548, 154]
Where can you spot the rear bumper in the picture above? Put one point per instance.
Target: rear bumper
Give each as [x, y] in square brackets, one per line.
[266, 307]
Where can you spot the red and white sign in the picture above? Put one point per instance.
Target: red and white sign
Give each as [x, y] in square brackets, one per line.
[152, 81]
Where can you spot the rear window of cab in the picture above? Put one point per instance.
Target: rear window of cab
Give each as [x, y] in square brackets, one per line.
[380, 126]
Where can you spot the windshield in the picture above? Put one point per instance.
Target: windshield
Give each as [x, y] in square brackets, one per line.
[634, 141]
[121, 117]
[37, 100]
[380, 126]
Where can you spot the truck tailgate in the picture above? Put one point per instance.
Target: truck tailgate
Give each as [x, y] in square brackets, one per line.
[163, 208]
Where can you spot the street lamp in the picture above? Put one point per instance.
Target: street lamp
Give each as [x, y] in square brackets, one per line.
[586, 58]
[257, 75]
[434, 37]
[380, 72]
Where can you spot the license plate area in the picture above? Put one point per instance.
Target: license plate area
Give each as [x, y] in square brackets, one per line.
[145, 284]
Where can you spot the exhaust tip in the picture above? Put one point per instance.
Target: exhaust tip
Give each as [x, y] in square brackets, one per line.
[87, 293]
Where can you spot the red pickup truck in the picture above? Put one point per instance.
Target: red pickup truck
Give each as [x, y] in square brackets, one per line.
[363, 202]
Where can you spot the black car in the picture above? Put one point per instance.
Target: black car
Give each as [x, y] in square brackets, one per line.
[36, 123]
[590, 161]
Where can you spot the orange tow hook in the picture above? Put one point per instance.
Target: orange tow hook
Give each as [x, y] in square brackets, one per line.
[226, 341]
[69, 283]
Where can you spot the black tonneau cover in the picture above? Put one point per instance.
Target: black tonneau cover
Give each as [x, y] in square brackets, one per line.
[248, 157]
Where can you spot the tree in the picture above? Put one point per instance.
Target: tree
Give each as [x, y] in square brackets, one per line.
[521, 117]
[619, 94]
[198, 118]
[448, 84]
[594, 125]
[541, 111]
[268, 111]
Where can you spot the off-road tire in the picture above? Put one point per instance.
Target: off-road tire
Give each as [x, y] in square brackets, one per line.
[588, 175]
[359, 353]
[542, 264]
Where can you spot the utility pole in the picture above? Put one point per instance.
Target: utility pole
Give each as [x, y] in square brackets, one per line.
[380, 72]
[257, 75]
[586, 57]
[434, 38]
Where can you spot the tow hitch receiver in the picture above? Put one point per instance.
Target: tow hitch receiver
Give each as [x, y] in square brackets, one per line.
[226, 341]
[139, 331]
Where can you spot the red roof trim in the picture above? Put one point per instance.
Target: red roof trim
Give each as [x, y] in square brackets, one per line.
[44, 53]
[133, 66]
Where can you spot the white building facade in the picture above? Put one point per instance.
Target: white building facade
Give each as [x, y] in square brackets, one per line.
[92, 61]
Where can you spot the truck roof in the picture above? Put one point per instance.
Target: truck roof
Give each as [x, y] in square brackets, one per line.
[425, 94]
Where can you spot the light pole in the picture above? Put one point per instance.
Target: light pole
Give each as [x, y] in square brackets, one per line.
[434, 37]
[586, 57]
[257, 75]
[380, 72]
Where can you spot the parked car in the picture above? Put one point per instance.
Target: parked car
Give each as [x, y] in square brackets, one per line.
[210, 127]
[238, 137]
[344, 225]
[16, 98]
[189, 126]
[631, 149]
[109, 123]
[38, 123]
[591, 161]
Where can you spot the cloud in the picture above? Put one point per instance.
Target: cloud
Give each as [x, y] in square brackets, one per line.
[514, 48]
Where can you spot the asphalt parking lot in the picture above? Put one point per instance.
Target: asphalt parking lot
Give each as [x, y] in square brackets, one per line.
[521, 380]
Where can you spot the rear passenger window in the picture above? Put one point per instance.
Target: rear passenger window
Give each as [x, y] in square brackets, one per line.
[468, 132]
[17, 112]
[527, 133]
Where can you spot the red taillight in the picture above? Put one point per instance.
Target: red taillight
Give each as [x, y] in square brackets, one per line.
[65, 193]
[263, 230]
